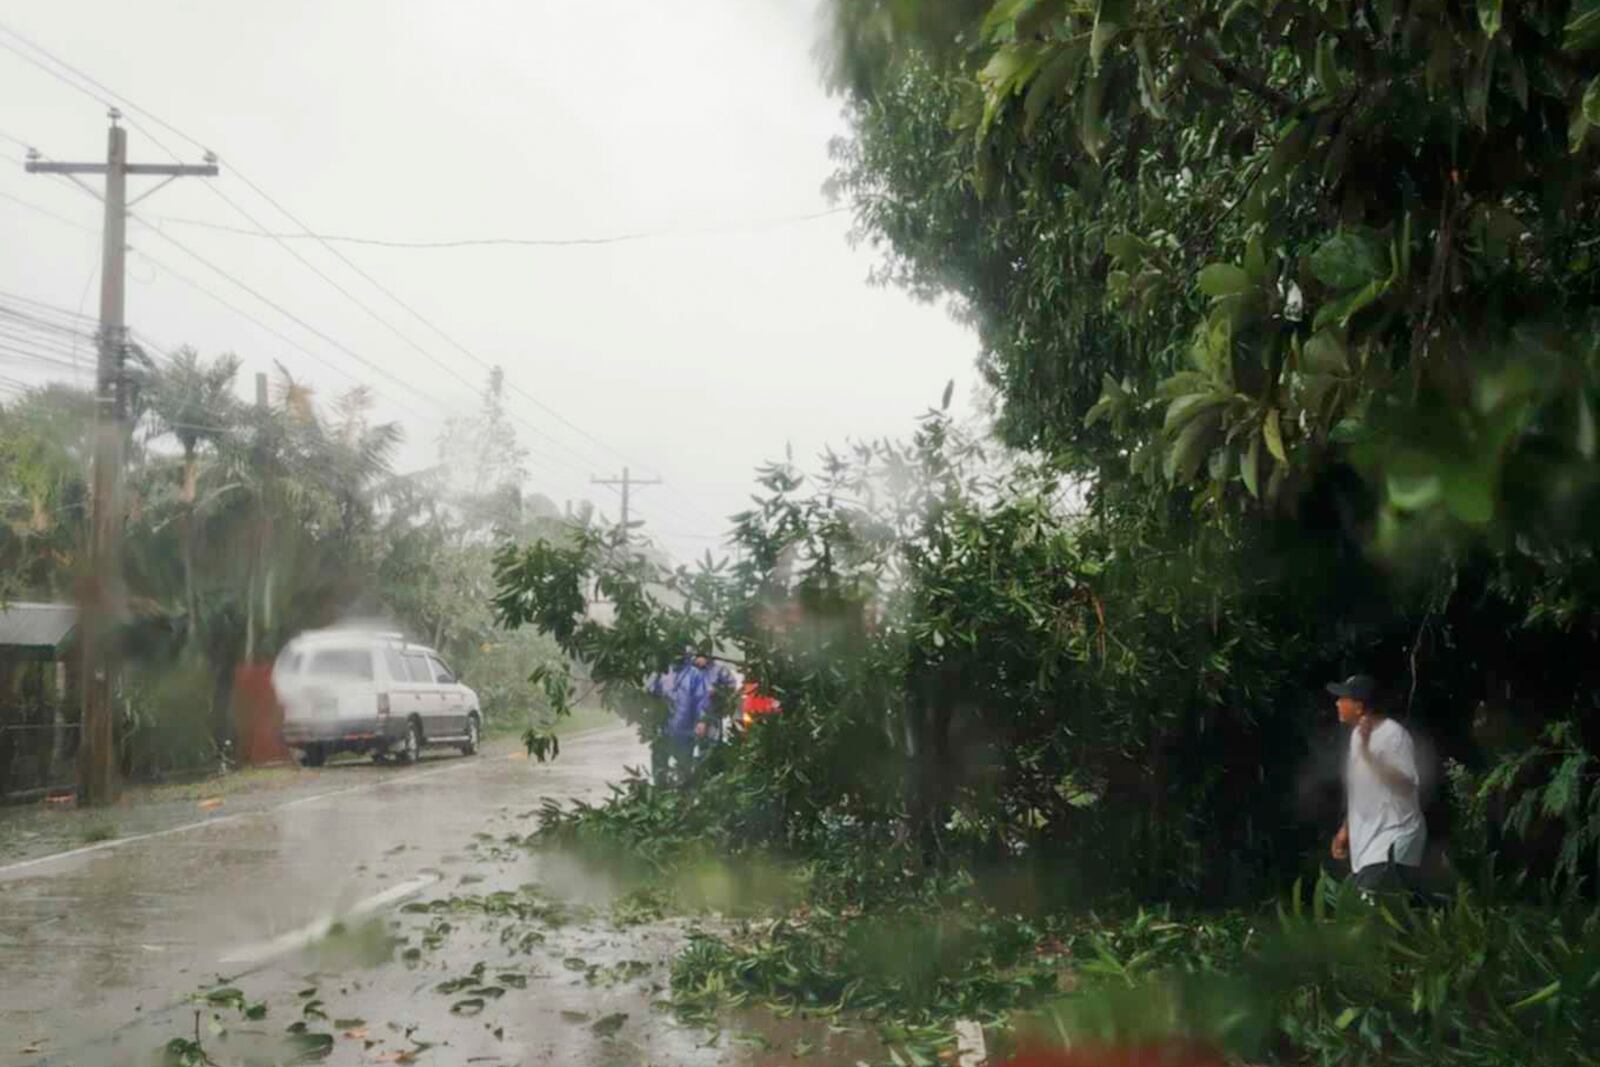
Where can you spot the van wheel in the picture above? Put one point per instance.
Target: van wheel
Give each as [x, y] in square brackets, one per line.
[411, 747]
[312, 756]
[470, 747]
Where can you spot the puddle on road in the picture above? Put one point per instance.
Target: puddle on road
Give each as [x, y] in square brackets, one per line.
[525, 966]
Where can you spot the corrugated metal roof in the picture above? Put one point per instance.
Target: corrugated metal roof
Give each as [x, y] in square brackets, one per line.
[24, 625]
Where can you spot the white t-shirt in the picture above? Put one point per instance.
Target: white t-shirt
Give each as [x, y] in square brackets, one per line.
[1381, 816]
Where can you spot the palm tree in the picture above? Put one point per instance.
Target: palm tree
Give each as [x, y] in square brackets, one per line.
[193, 401]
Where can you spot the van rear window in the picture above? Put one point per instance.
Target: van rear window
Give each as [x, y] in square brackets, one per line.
[354, 663]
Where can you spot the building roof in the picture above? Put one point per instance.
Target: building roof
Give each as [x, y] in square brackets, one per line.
[36, 626]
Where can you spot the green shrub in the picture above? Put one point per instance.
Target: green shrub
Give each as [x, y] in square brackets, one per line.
[166, 726]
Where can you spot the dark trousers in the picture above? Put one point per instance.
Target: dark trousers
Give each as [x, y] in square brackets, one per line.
[671, 759]
[1387, 877]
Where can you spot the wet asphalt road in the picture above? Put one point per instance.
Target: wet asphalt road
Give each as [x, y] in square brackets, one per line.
[100, 951]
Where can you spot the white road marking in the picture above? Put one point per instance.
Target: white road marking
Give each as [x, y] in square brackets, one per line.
[118, 842]
[318, 929]
[9, 870]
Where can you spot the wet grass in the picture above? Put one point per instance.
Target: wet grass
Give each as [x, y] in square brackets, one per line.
[91, 833]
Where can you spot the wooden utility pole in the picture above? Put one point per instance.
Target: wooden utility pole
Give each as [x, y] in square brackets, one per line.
[101, 596]
[627, 482]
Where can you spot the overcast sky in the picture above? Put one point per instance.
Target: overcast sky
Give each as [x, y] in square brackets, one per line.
[692, 356]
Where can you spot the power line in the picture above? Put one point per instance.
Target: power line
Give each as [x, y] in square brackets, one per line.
[292, 317]
[41, 342]
[178, 276]
[445, 408]
[516, 242]
[306, 230]
[19, 142]
[244, 213]
[437, 330]
[43, 306]
[55, 331]
[346, 294]
[23, 352]
[46, 212]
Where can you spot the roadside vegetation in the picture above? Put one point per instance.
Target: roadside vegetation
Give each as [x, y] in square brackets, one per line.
[1288, 313]
[250, 523]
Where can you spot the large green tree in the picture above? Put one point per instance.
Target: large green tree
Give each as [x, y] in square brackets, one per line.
[1311, 276]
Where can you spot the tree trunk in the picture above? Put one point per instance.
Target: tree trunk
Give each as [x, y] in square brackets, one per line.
[191, 602]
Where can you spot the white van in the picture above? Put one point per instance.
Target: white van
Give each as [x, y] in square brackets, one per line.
[366, 691]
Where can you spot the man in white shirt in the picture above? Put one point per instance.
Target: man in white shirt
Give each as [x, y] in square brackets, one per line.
[1384, 834]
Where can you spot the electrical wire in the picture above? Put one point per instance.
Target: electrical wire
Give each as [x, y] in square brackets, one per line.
[307, 232]
[472, 387]
[91, 336]
[239, 311]
[53, 308]
[516, 242]
[435, 328]
[131, 106]
[27, 353]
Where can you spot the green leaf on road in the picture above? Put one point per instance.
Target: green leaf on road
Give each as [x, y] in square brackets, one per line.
[608, 1025]
[469, 1006]
[308, 1048]
[227, 996]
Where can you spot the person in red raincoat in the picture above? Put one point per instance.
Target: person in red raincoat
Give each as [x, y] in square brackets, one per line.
[755, 704]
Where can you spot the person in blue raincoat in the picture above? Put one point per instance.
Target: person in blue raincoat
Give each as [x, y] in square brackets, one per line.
[721, 682]
[689, 689]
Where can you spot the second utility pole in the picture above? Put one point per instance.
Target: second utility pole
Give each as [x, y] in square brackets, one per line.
[101, 605]
[627, 482]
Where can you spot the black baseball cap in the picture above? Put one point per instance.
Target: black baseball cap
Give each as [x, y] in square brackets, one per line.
[1362, 687]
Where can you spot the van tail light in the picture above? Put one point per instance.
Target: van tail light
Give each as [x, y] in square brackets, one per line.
[383, 705]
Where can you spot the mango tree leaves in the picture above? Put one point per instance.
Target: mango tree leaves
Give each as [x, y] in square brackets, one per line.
[1346, 260]
[1272, 433]
[1585, 434]
[1489, 16]
[1324, 353]
[1354, 188]
[1185, 408]
[1224, 279]
[1110, 18]
[1339, 312]
[1189, 449]
[1250, 467]
[1582, 31]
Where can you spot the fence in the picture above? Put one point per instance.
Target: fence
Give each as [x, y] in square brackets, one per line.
[38, 749]
[169, 736]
